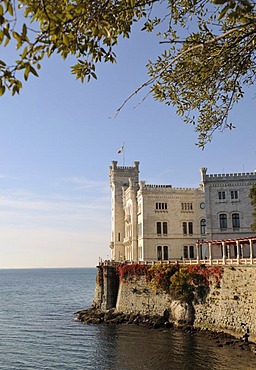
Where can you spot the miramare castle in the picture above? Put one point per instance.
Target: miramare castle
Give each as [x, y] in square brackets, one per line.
[160, 222]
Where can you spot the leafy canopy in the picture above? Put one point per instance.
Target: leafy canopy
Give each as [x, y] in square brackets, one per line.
[209, 54]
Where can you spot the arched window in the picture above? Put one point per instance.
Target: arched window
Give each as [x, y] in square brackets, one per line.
[235, 221]
[165, 252]
[203, 226]
[159, 253]
[223, 221]
[191, 252]
[161, 228]
[158, 228]
[190, 227]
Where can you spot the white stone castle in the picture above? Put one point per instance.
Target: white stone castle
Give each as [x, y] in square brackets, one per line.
[159, 222]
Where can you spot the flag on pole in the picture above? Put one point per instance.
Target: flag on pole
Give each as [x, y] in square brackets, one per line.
[120, 150]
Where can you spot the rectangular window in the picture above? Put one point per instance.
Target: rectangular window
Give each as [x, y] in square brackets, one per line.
[221, 195]
[223, 221]
[161, 206]
[165, 228]
[234, 194]
[235, 220]
[184, 228]
[159, 228]
[186, 206]
[185, 251]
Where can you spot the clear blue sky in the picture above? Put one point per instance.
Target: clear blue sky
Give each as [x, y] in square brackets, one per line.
[57, 142]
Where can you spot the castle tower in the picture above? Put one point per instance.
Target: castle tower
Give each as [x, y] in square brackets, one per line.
[120, 178]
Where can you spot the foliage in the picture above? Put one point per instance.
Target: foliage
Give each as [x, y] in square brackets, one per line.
[185, 283]
[160, 275]
[88, 30]
[207, 65]
[192, 283]
[211, 274]
[189, 283]
[252, 195]
[131, 271]
[209, 54]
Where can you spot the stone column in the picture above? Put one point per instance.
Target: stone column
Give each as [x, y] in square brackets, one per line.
[251, 251]
[210, 253]
[228, 246]
[223, 253]
[197, 251]
[238, 251]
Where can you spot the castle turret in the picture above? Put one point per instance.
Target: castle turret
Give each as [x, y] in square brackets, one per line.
[121, 177]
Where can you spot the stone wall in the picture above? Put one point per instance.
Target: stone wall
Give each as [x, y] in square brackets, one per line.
[225, 307]
[136, 296]
[107, 287]
[233, 303]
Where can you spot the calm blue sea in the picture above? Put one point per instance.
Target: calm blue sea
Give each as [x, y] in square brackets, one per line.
[39, 331]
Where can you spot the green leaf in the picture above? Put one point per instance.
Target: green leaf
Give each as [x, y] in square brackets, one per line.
[24, 53]
[65, 40]
[32, 70]
[10, 8]
[2, 90]
[16, 36]
[223, 12]
[26, 72]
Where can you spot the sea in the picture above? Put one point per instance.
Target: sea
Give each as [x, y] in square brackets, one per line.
[39, 331]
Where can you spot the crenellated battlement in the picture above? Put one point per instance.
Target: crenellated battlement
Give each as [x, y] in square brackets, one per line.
[164, 188]
[226, 176]
[238, 174]
[157, 186]
[115, 167]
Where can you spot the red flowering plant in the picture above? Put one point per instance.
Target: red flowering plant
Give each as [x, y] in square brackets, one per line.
[192, 283]
[186, 283]
[211, 273]
[131, 271]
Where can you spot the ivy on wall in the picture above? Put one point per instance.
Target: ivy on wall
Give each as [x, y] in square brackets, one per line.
[186, 283]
